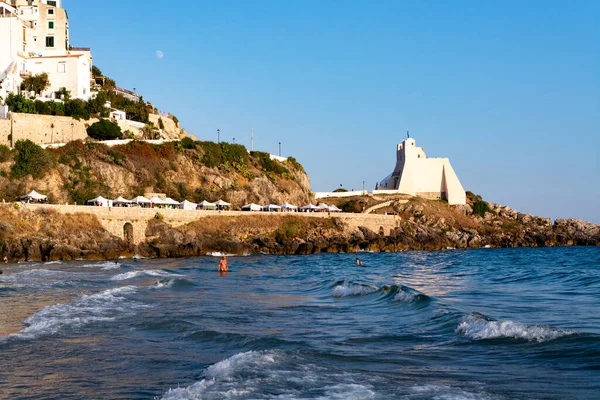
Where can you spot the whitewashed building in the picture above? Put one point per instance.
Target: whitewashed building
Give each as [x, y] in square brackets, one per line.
[417, 175]
[34, 38]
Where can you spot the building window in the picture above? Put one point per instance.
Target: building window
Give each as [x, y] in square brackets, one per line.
[50, 24]
[51, 11]
[49, 41]
[52, 3]
[62, 67]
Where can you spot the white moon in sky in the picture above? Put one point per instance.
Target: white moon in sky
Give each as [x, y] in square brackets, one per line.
[159, 54]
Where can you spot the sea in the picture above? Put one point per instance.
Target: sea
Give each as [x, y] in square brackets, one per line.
[456, 324]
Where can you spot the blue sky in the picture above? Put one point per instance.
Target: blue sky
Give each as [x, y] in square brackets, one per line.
[508, 90]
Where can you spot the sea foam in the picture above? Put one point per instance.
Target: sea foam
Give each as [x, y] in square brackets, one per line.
[478, 327]
[353, 289]
[134, 274]
[103, 306]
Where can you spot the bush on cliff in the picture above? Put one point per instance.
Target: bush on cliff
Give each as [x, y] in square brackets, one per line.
[4, 153]
[31, 160]
[105, 130]
[269, 166]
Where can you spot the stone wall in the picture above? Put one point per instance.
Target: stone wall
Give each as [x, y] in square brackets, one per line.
[4, 132]
[113, 219]
[45, 129]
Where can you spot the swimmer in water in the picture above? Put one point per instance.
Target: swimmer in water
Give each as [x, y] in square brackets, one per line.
[358, 262]
[223, 265]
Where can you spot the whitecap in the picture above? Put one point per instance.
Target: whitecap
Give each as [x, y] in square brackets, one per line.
[353, 289]
[134, 274]
[443, 392]
[99, 307]
[405, 297]
[52, 262]
[105, 265]
[219, 254]
[477, 327]
[244, 375]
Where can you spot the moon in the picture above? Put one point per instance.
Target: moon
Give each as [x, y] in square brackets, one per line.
[159, 54]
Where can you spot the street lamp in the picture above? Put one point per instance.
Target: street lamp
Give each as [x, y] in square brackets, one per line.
[279, 149]
[363, 188]
[233, 140]
[218, 136]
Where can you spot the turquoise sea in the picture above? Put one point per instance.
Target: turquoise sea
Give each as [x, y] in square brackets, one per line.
[458, 324]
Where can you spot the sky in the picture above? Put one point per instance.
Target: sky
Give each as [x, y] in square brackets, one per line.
[509, 90]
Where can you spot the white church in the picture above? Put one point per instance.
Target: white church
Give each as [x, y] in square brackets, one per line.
[417, 175]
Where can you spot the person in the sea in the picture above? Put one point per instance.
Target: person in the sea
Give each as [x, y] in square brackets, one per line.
[223, 265]
[358, 262]
[5, 260]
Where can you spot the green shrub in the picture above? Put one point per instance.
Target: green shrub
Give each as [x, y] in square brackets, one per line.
[104, 130]
[269, 166]
[31, 160]
[340, 190]
[161, 124]
[480, 207]
[4, 153]
[188, 143]
[292, 161]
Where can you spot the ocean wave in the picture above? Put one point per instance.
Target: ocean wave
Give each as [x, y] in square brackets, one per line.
[105, 265]
[443, 392]
[42, 278]
[245, 375]
[478, 327]
[219, 254]
[346, 289]
[134, 274]
[103, 306]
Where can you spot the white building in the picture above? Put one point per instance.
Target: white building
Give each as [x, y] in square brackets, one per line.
[34, 38]
[417, 175]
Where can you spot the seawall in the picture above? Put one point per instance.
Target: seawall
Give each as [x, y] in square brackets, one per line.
[119, 220]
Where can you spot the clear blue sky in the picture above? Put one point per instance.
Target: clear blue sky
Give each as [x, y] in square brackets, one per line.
[508, 90]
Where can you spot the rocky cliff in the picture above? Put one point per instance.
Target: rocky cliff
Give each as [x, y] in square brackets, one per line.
[183, 169]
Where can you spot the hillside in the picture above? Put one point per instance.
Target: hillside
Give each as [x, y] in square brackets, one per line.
[185, 169]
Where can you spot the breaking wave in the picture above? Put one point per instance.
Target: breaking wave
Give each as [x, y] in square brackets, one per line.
[478, 327]
[245, 375]
[345, 289]
[134, 274]
[398, 293]
[103, 306]
[105, 265]
[442, 392]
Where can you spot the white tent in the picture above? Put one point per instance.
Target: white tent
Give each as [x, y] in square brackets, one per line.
[288, 207]
[333, 208]
[252, 207]
[100, 201]
[169, 200]
[121, 200]
[222, 204]
[271, 207]
[35, 196]
[157, 200]
[323, 207]
[187, 205]
[141, 200]
[207, 205]
[309, 208]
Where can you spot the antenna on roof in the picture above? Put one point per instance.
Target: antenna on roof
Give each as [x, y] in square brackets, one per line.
[407, 134]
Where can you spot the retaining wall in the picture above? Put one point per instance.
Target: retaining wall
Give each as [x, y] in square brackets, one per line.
[113, 219]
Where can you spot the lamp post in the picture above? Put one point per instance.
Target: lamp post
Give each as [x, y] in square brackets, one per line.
[279, 149]
[218, 136]
[233, 140]
[363, 188]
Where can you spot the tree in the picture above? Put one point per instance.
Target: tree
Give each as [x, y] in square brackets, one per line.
[36, 83]
[31, 160]
[105, 130]
[64, 94]
[96, 72]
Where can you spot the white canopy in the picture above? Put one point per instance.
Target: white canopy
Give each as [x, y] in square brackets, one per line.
[333, 208]
[206, 204]
[169, 200]
[33, 195]
[156, 200]
[288, 206]
[99, 200]
[271, 207]
[322, 206]
[222, 203]
[252, 207]
[187, 205]
[120, 199]
[309, 207]
[140, 199]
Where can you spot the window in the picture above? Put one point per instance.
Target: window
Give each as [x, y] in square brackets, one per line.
[51, 11]
[49, 41]
[52, 3]
[50, 24]
[62, 67]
